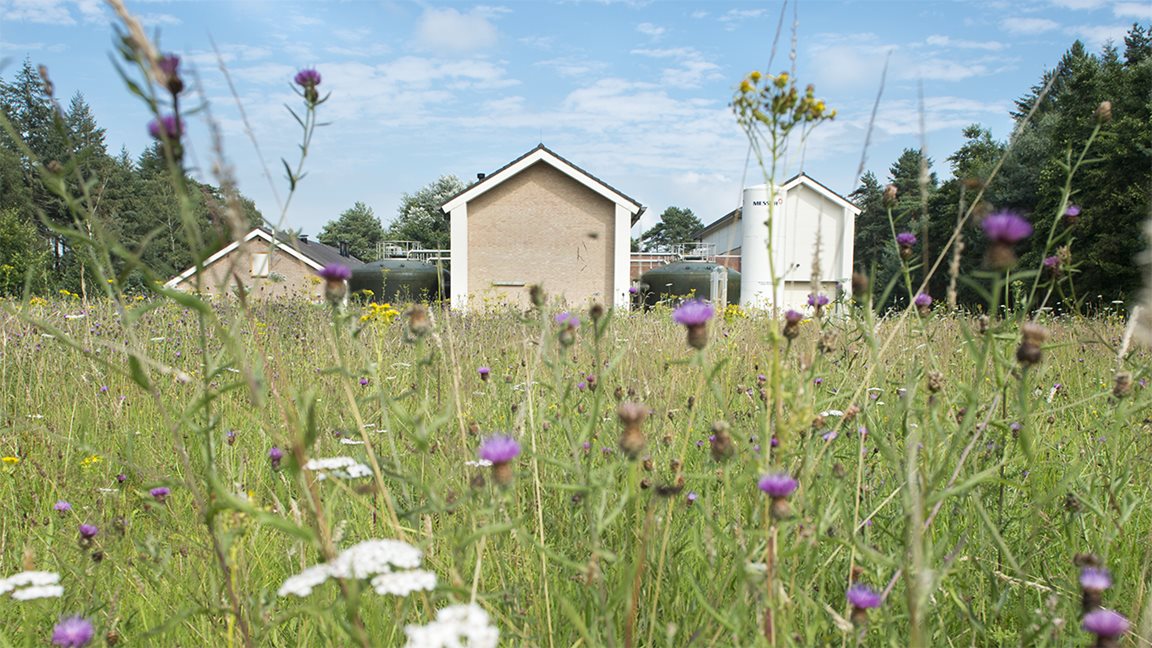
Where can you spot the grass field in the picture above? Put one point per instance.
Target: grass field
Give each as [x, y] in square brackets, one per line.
[931, 466]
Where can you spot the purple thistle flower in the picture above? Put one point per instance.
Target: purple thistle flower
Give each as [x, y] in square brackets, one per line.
[818, 381]
[121, 478]
[307, 78]
[581, 385]
[862, 597]
[693, 312]
[166, 127]
[104, 389]
[1072, 212]
[1095, 579]
[817, 300]
[1105, 623]
[169, 64]
[692, 497]
[793, 317]
[568, 319]
[632, 290]
[62, 507]
[88, 531]
[363, 382]
[335, 272]
[1006, 228]
[923, 300]
[499, 449]
[275, 455]
[159, 493]
[774, 442]
[777, 485]
[230, 437]
[483, 371]
[73, 632]
[906, 239]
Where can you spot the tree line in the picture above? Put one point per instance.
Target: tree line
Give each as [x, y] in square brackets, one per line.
[1055, 118]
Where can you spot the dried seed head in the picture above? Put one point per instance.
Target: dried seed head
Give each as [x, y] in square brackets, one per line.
[419, 323]
[935, 381]
[827, 342]
[596, 312]
[536, 295]
[890, 192]
[860, 286]
[1103, 112]
[1122, 384]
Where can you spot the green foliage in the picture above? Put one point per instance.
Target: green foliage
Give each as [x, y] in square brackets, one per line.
[676, 225]
[419, 217]
[24, 254]
[359, 228]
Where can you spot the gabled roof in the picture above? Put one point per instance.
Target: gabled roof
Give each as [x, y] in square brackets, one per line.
[543, 154]
[313, 254]
[794, 181]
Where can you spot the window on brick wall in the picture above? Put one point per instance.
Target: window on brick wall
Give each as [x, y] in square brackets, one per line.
[260, 264]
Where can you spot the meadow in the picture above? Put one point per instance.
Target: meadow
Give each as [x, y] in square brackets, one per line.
[964, 488]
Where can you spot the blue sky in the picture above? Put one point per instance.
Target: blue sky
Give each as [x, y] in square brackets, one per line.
[634, 92]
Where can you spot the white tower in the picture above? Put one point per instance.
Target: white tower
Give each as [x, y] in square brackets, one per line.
[755, 275]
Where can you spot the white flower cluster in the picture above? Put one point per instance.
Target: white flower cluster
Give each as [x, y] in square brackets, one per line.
[29, 585]
[392, 565]
[479, 463]
[342, 467]
[456, 626]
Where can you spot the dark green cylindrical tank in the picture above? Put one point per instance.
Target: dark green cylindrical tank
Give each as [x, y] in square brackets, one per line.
[683, 278]
[399, 280]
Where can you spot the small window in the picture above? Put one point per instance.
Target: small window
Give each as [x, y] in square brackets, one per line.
[260, 265]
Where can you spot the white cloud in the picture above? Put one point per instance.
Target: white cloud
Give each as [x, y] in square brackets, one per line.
[938, 40]
[31, 47]
[689, 68]
[573, 66]
[1018, 25]
[157, 20]
[1098, 35]
[538, 42]
[652, 31]
[1137, 10]
[450, 30]
[1080, 4]
[48, 12]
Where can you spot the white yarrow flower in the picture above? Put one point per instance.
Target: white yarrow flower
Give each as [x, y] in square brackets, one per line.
[404, 583]
[38, 592]
[341, 467]
[456, 626]
[303, 583]
[479, 463]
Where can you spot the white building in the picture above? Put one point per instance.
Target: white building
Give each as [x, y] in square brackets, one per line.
[804, 212]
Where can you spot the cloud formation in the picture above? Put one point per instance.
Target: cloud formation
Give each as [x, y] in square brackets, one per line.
[451, 31]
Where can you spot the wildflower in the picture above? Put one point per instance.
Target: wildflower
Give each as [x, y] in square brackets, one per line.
[363, 382]
[404, 583]
[722, 445]
[1093, 581]
[632, 290]
[419, 323]
[500, 450]
[1122, 384]
[73, 632]
[308, 79]
[631, 416]
[568, 323]
[121, 478]
[692, 497]
[11, 461]
[38, 592]
[862, 598]
[792, 319]
[923, 302]
[817, 301]
[1107, 625]
[275, 455]
[166, 128]
[778, 486]
[483, 371]
[455, 625]
[694, 314]
[1052, 265]
[341, 467]
[30, 585]
[335, 278]
[160, 493]
[87, 532]
[1072, 214]
[370, 559]
[1029, 352]
[169, 65]
[1004, 230]
[61, 507]
[906, 240]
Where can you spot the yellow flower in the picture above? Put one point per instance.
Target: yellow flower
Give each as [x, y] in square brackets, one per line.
[11, 461]
[88, 461]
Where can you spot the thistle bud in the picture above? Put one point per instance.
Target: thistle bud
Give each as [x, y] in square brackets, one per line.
[890, 194]
[1032, 336]
[631, 416]
[722, 445]
[1103, 113]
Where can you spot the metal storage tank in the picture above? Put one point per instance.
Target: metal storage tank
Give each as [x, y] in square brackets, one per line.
[397, 280]
[681, 278]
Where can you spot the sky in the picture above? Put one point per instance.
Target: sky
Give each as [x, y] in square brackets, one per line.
[635, 92]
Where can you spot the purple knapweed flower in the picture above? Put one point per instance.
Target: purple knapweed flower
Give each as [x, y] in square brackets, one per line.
[169, 64]
[121, 478]
[1006, 228]
[499, 449]
[1106, 624]
[818, 381]
[792, 316]
[817, 300]
[61, 507]
[335, 272]
[363, 382]
[777, 485]
[307, 78]
[568, 319]
[923, 300]
[693, 312]
[862, 597]
[275, 455]
[88, 531]
[906, 239]
[73, 632]
[104, 389]
[1096, 579]
[484, 372]
[1072, 213]
[632, 290]
[166, 127]
[692, 497]
[581, 385]
[160, 492]
[1052, 262]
